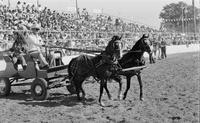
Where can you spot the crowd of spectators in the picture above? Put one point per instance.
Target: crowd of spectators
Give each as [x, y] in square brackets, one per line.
[80, 28]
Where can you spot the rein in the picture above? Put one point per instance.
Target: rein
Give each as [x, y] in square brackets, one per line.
[136, 51]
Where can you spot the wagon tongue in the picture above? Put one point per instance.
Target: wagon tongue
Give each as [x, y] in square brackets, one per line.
[134, 68]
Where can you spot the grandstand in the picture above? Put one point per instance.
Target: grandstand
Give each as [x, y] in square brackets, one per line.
[63, 26]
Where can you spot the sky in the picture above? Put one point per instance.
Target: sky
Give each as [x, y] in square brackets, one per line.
[141, 11]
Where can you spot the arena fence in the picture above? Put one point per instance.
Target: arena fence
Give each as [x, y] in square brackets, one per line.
[95, 38]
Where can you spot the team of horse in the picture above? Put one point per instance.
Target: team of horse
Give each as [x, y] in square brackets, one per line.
[133, 58]
[108, 65]
[104, 68]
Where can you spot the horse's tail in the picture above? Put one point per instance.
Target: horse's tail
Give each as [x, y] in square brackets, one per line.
[70, 69]
[71, 73]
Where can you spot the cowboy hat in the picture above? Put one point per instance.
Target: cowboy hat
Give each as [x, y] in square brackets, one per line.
[35, 26]
[22, 27]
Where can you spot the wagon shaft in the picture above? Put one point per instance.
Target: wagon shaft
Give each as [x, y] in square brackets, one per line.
[134, 68]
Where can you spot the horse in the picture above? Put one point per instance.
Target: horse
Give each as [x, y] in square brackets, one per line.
[133, 58]
[100, 67]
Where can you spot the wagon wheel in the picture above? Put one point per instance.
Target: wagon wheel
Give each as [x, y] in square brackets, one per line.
[39, 89]
[5, 86]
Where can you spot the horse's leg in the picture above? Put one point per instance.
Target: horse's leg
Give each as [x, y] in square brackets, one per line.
[77, 87]
[128, 79]
[107, 91]
[140, 83]
[120, 88]
[101, 92]
[80, 87]
[83, 92]
[78, 92]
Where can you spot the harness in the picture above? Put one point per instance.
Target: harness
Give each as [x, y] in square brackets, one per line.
[107, 57]
[113, 64]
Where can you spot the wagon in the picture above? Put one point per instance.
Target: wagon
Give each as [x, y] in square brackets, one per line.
[39, 80]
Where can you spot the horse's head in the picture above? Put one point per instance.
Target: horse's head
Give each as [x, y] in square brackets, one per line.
[146, 44]
[113, 47]
[142, 44]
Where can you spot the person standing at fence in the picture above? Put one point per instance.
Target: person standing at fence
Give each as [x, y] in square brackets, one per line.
[154, 47]
[163, 48]
[158, 45]
[151, 55]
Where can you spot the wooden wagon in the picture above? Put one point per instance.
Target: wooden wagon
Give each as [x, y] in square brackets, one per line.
[41, 81]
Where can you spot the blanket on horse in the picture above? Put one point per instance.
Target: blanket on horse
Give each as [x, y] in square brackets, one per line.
[96, 66]
[82, 65]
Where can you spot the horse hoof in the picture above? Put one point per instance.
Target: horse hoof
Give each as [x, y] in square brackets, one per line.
[83, 97]
[120, 97]
[110, 97]
[124, 98]
[79, 98]
[142, 99]
[102, 104]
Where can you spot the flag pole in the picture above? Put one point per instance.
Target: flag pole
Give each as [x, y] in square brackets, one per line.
[182, 18]
[77, 9]
[194, 16]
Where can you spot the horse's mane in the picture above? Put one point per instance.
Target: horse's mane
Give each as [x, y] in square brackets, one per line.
[133, 50]
[108, 48]
[134, 55]
[136, 46]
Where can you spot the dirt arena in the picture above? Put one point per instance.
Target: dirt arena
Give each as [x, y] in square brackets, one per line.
[171, 95]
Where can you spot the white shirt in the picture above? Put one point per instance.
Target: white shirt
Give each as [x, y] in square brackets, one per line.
[34, 42]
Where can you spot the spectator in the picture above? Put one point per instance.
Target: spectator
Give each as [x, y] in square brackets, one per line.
[158, 50]
[55, 21]
[18, 50]
[163, 49]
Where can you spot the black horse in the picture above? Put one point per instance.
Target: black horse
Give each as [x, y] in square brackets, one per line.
[133, 58]
[100, 67]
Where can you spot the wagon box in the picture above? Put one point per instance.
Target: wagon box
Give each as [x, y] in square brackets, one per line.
[41, 80]
[30, 72]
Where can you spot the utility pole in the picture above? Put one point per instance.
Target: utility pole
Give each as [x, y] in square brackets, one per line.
[38, 4]
[194, 17]
[77, 11]
[182, 18]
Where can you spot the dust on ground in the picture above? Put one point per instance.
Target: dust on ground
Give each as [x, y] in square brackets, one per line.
[171, 95]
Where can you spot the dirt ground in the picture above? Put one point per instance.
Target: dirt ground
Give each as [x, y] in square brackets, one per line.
[171, 95]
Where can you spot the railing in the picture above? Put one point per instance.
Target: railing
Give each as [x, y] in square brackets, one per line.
[93, 37]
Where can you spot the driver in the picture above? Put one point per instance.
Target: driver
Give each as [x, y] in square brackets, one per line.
[34, 43]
